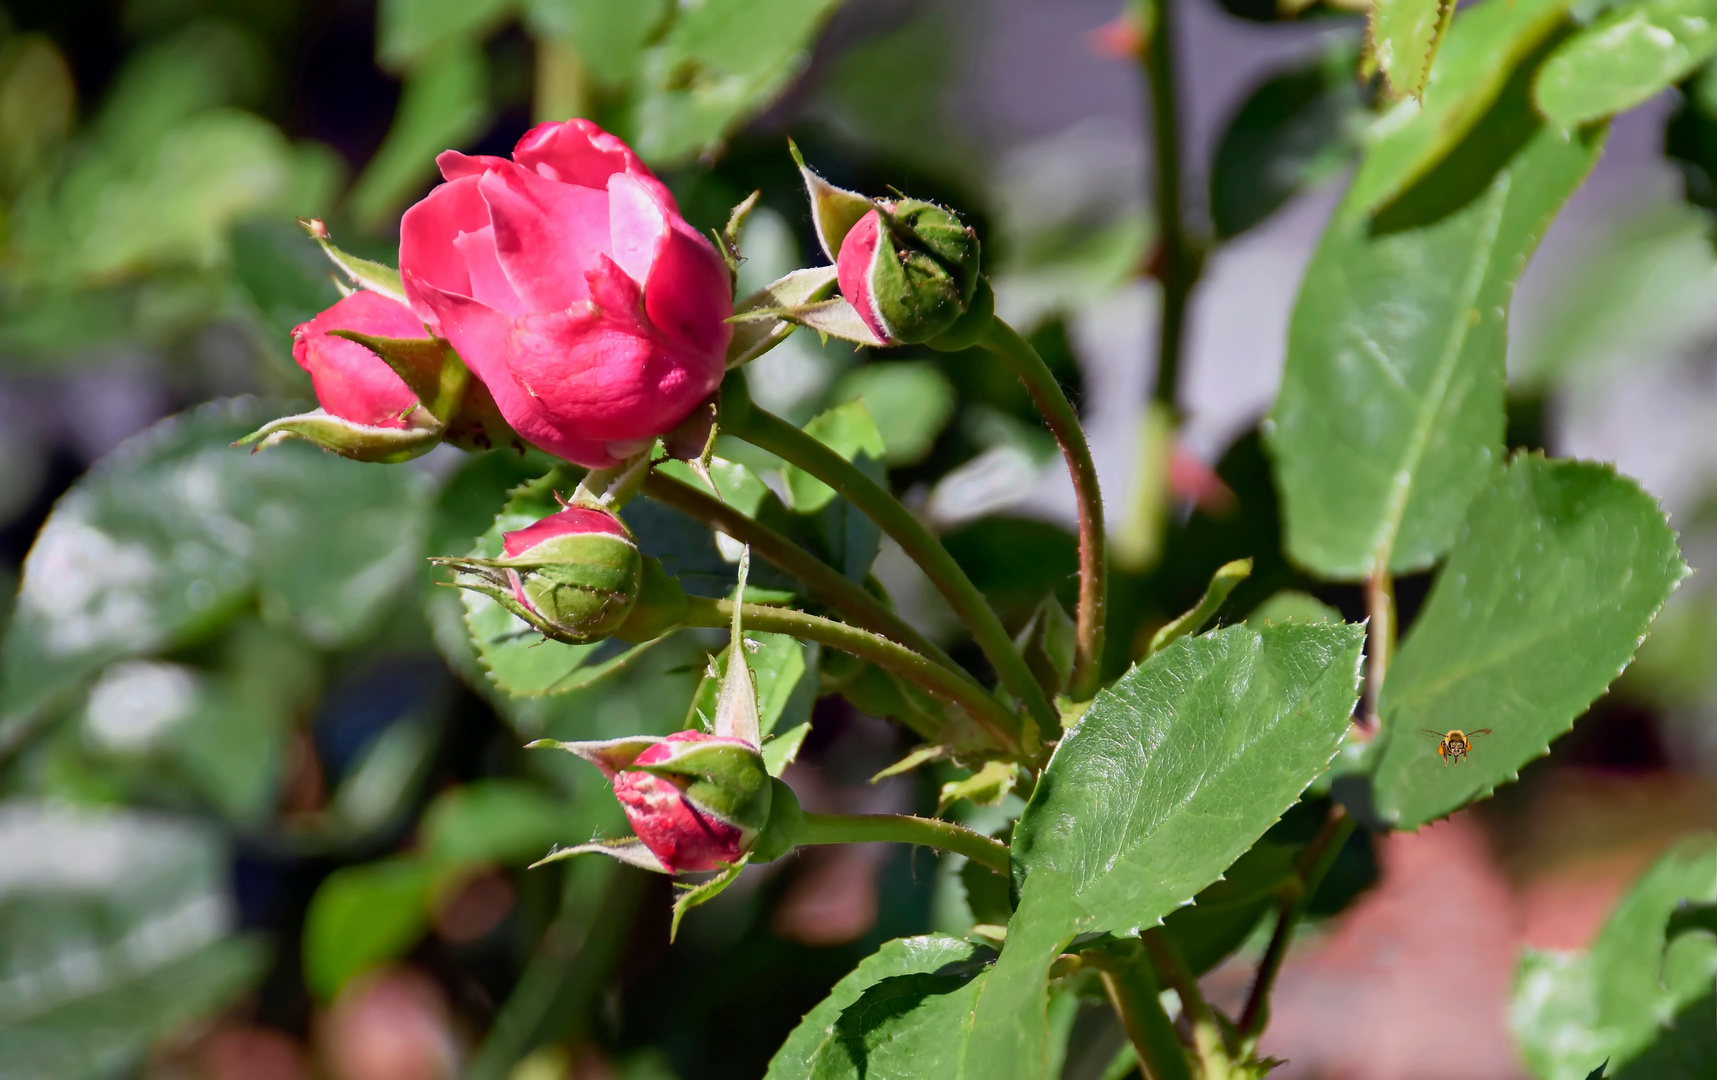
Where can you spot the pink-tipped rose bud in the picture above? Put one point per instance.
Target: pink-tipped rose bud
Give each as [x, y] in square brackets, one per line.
[704, 813]
[573, 576]
[569, 283]
[352, 382]
[910, 268]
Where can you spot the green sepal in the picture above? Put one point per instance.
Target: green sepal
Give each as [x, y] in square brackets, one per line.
[1048, 641]
[703, 892]
[780, 834]
[627, 849]
[661, 605]
[834, 211]
[986, 787]
[360, 442]
[609, 755]
[759, 321]
[584, 595]
[429, 367]
[969, 329]
[374, 276]
[727, 240]
[725, 780]
[924, 271]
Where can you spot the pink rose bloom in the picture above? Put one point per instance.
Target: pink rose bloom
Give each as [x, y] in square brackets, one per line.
[352, 382]
[677, 832]
[571, 286]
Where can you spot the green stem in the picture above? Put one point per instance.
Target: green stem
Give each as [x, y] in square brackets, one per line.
[904, 829]
[824, 582]
[1380, 635]
[1063, 421]
[962, 690]
[1178, 259]
[1207, 1042]
[1314, 863]
[1133, 993]
[769, 432]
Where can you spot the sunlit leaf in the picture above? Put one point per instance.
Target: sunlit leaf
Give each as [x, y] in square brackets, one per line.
[1557, 573]
[1627, 56]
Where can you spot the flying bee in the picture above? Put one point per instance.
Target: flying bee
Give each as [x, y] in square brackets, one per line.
[1454, 745]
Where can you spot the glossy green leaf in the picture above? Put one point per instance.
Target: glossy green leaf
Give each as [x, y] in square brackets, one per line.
[1180, 766]
[1624, 58]
[918, 1007]
[1299, 128]
[911, 402]
[1224, 912]
[1390, 415]
[362, 916]
[175, 531]
[719, 62]
[1573, 1010]
[1557, 573]
[1484, 45]
[445, 104]
[1404, 38]
[114, 932]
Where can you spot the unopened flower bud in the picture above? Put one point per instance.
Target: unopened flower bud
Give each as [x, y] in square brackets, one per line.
[573, 576]
[909, 267]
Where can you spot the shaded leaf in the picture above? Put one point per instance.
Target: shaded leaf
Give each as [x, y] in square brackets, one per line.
[848, 538]
[408, 31]
[1573, 1010]
[1404, 38]
[363, 916]
[1390, 415]
[910, 402]
[1557, 573]
[445, 103]
[1299, 128]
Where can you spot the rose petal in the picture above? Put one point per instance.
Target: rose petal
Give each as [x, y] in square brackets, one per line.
[547, 235]
[689, 295]
[858, 251]
[577, 152]
[454, 165]
[484, 338]
[602, 370]
[638, 225]
[352, 382]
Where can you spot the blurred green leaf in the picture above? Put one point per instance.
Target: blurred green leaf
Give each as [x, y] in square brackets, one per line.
[719, 62]
[175, 531]
[1573, 1010]
[1627, 56]
[363, 916]
[375, 794]
[445, 104]
[498, 821]
[610, 37]
[1126, 811]
[1299, 128]
[1292, 604]
[898, 1013]
[1404, 36]
[1478, 57]
[408, 32]
[1390, 415]
[114, 932]
[910, 402]
[1553, 580]
[38, 105]
[285, 278]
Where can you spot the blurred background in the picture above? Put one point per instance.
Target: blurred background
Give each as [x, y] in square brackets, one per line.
[262, 815]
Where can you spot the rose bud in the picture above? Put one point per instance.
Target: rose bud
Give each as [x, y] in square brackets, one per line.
[574, 576]
[388, 389]
[569, 283]
[909, 268]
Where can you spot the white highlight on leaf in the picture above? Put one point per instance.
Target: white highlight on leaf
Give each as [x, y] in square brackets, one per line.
[87, 588]
[138, 701]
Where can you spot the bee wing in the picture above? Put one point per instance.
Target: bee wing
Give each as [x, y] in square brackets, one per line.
[1434, 734]
[1475, 734]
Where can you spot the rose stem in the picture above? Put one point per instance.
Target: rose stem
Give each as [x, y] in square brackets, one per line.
[824, 581]
[934, 678]
[1058, 413]
[769, 432]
